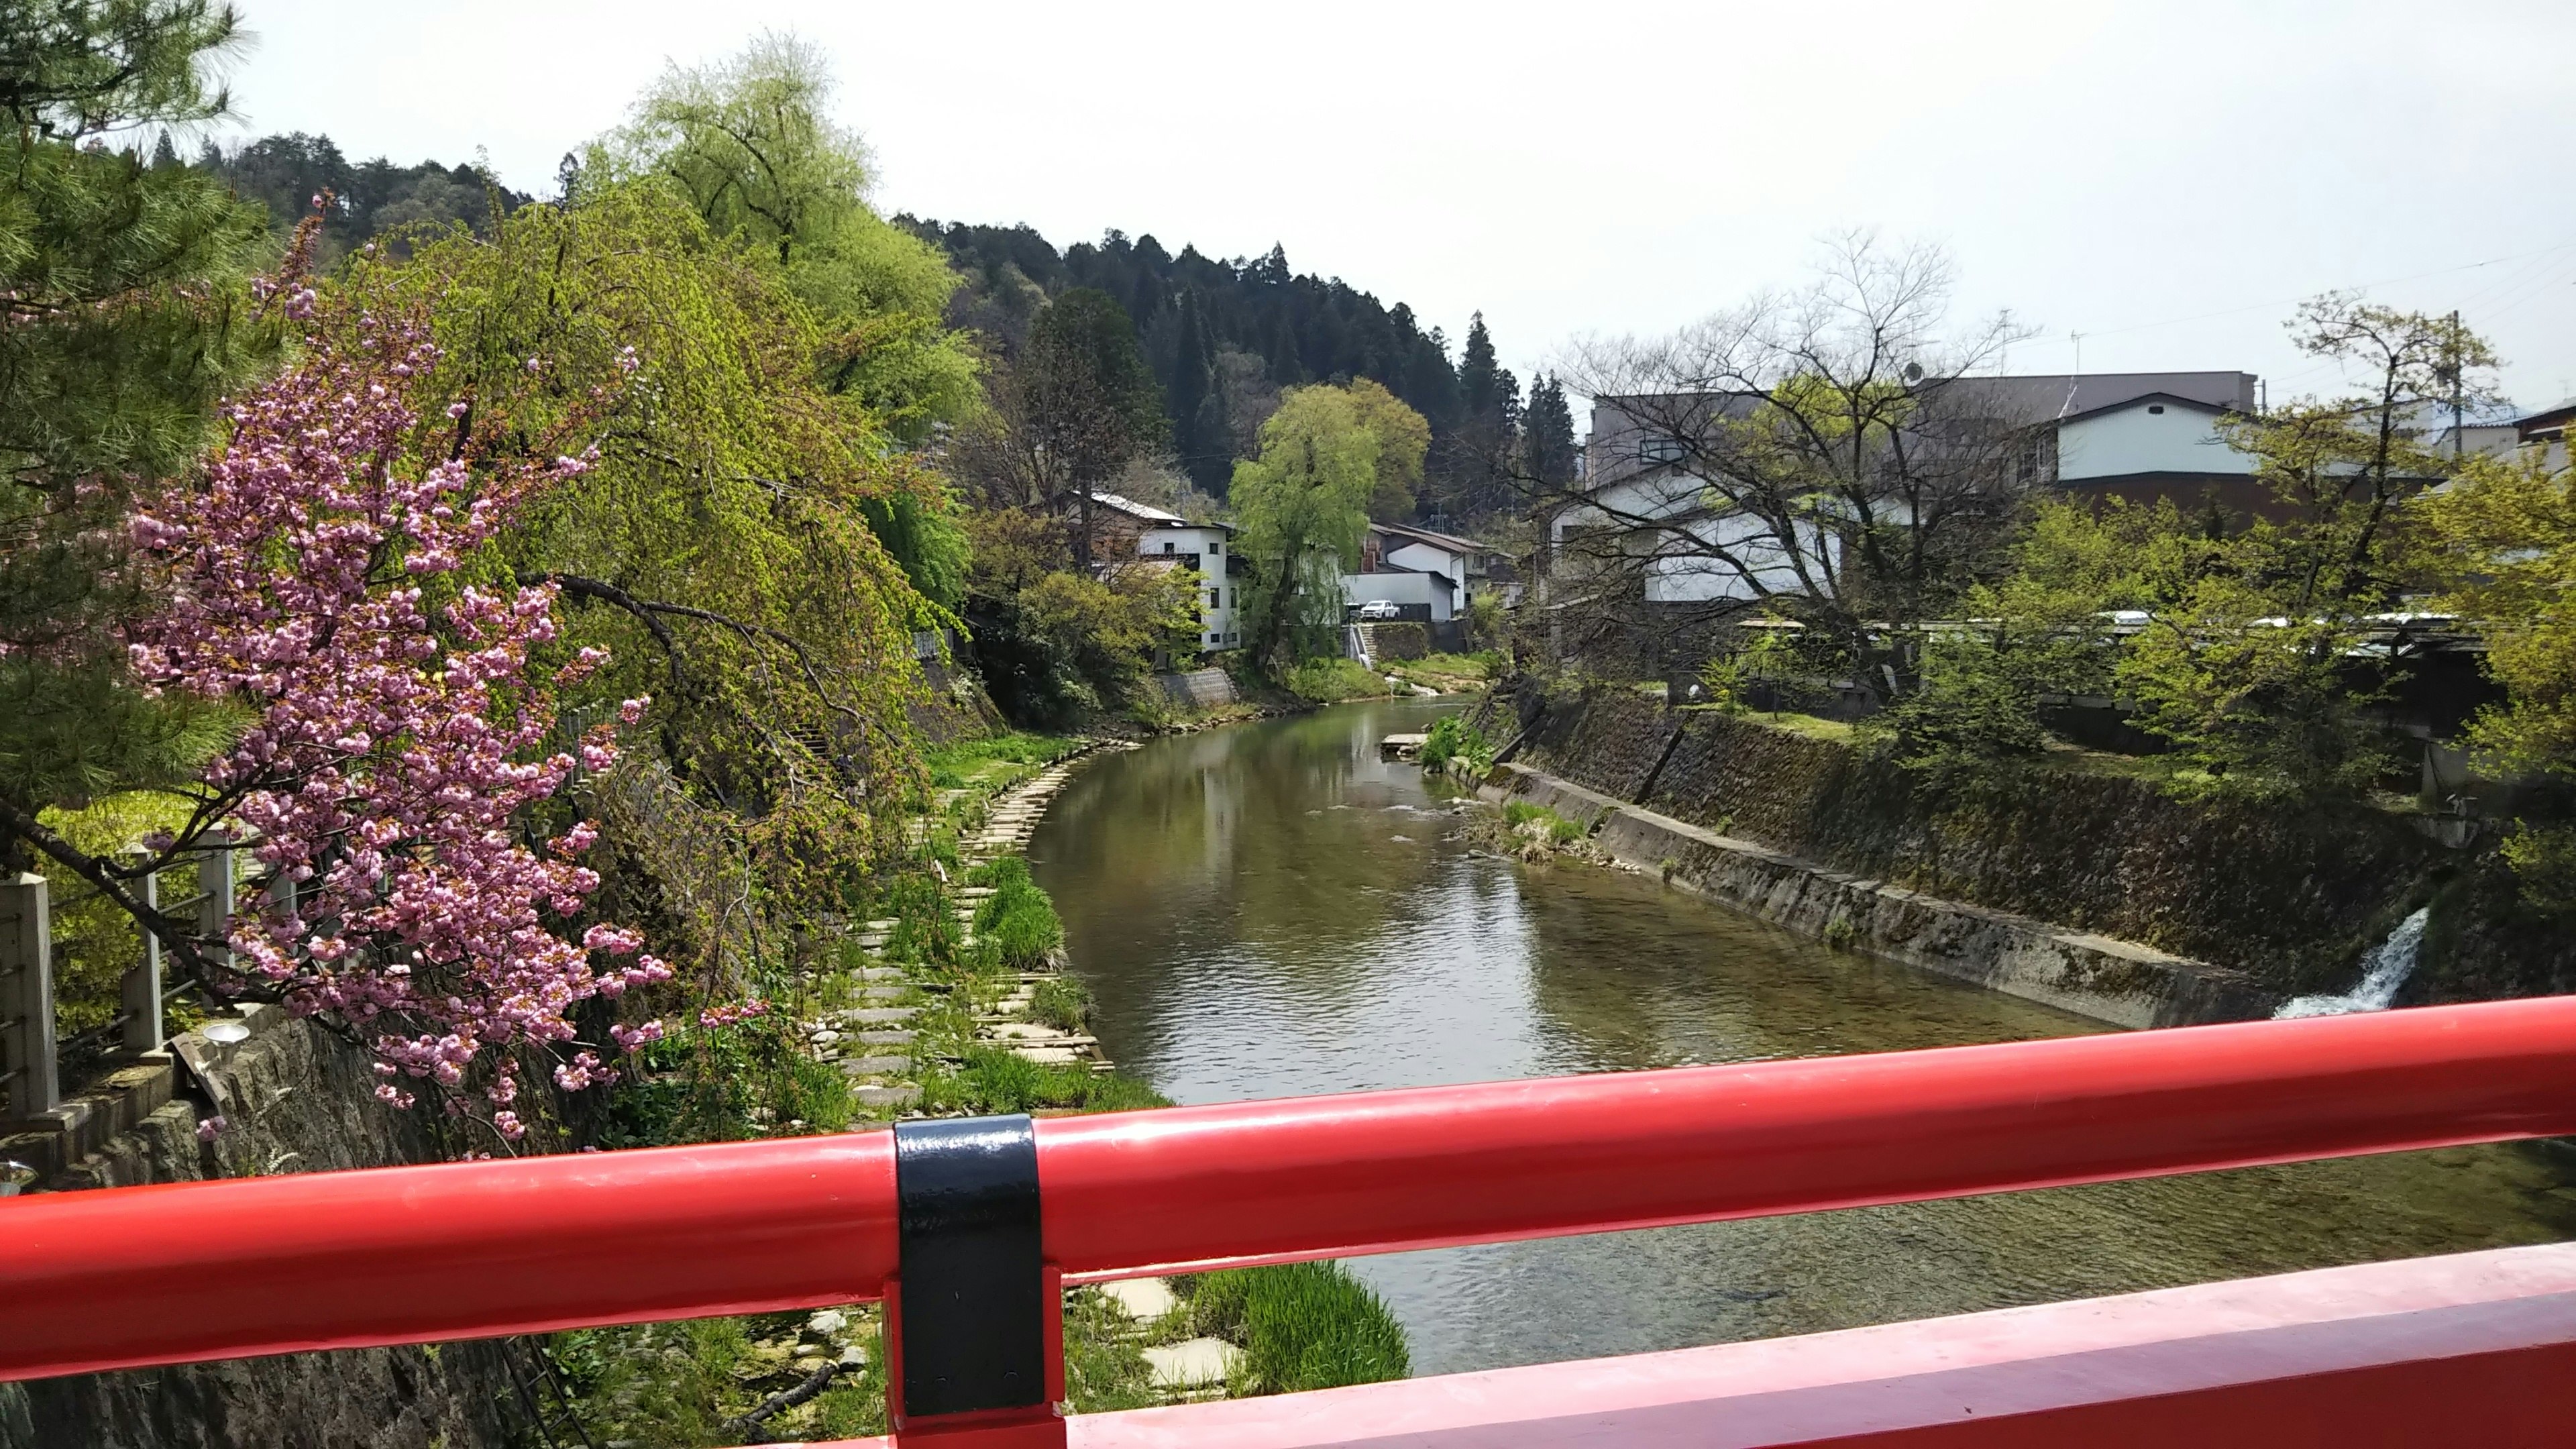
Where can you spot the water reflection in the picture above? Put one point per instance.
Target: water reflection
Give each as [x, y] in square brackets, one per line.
[1271, 911]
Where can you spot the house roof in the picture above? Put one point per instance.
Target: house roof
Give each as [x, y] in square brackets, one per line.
[2174, 399]
[1145, 513]
[1449, 541]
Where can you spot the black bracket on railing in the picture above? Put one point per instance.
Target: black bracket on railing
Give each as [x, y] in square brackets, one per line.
[976, 1320]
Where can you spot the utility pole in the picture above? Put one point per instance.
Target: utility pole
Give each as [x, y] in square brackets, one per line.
[2457, 394]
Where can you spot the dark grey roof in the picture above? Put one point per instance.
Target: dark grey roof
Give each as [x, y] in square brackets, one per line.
[2035, 399]
[2193, 403]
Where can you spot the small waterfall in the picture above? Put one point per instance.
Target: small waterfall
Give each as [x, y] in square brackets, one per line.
[2383, 971]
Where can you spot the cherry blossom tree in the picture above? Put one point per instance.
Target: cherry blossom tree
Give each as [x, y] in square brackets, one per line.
[399, 688]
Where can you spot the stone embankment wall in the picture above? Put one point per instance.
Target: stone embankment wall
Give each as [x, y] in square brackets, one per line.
[2120, 982]
[293, 1098]
[2289, 899]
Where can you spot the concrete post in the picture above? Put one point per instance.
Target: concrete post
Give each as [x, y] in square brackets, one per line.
[215, 895]
[27, 997]
[143, 1024]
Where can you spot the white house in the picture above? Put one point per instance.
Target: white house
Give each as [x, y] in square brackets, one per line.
[1429, 575]
[1165, 539]
[1208, 548]
[2135, 435]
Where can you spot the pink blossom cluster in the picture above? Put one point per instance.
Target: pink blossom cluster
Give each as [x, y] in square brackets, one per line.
[733, 1013]
[400, 724]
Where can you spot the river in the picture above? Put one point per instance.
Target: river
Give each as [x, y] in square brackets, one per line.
[1268, 910]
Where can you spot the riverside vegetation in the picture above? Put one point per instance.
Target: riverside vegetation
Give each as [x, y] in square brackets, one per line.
[584, 549]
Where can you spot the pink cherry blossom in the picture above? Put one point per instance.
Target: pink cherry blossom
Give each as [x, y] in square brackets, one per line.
[399, 722]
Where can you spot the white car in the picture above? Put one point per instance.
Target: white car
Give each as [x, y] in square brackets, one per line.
[1380, 609]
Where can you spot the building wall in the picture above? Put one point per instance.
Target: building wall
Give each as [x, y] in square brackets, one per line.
[1220, 597]
[1420, 590]
[1432, 560]
[2134, 440]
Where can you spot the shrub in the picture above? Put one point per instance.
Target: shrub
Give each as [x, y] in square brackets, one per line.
[1457, 747]
[1302, 1326]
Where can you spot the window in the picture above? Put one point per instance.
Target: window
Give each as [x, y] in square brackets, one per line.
[2156, 408]
[1215, 546]
[1212, 600]
[1169, 546]
[1660, 448]
[1211, 638]
[1236, 595]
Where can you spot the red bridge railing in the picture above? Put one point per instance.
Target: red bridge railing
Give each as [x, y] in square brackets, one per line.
[169, 1274]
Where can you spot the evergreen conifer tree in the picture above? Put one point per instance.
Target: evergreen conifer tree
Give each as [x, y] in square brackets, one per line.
[1547, 434]
[123, 292]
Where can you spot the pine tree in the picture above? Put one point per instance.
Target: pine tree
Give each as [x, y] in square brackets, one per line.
[1547, 434]
[1480, 451]
[125, 323]
[1479, 376]
[1200, 435]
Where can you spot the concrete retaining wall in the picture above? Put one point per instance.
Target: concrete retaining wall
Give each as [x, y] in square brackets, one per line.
[1198, 689]
[2292, 896]
[2120, 982]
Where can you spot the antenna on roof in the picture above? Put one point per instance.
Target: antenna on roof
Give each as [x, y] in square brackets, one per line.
[1913, 373]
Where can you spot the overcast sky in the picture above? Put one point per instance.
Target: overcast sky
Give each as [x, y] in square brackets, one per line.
[2166, 179]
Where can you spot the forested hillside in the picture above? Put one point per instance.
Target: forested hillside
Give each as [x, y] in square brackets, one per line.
[284, 173]
[1225, 337]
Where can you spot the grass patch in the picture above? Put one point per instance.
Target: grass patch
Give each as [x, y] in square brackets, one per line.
[1559, 830]
[1063, 1003]
[1017, 919]
[1302, 1326]
[1334, 680]
[995, 759]
[1447, 671]
[994, 1081]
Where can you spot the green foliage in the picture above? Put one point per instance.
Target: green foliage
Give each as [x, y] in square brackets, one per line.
[366, 200]
[1334, 680]
[1018, 919]
[995, 1081]
[994, 759]
[1302, 506]
[749, 142]
[2502, 543]
[923, 533]
[1455, 746]
[676, 1385]
[925, 918]
[1223, 337]
[1053, 641]
[1403, 439]
[721, 548]
[1760, 657]
[126, 320]
[1553, 828]
[1063, 1003]
[726, 1083]
[1302, 1326]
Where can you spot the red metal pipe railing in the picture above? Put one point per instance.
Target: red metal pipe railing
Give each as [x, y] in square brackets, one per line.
[338, 1260]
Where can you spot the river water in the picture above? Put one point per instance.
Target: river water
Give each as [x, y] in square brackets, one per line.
[1269, 911]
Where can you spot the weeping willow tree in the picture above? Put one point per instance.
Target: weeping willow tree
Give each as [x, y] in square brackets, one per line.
[721, 548]
[750, 144]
